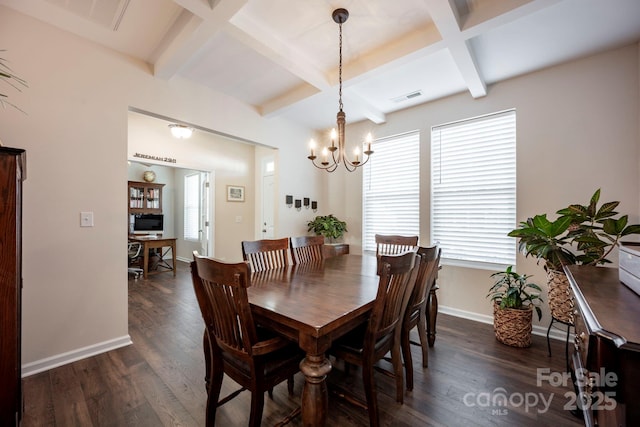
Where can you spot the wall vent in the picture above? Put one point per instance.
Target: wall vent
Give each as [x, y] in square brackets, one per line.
[407, 96]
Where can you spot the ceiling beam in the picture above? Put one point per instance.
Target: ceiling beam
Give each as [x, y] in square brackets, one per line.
[445, 17]
[192, 30]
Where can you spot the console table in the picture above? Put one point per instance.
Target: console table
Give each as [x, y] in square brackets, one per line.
[607, 346]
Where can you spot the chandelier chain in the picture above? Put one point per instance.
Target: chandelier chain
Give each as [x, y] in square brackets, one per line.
[340, 72]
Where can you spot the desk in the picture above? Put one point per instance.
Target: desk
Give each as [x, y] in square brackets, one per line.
[154, 242]
[314, 304]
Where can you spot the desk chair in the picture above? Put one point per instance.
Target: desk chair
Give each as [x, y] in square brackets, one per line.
[371, 341]
[134, 250]
[307, 248]
[392, 244]
[255, 358]
[266, 254]
[416, 312]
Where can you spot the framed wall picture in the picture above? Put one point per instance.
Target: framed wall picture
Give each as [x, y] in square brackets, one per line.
[235, 193]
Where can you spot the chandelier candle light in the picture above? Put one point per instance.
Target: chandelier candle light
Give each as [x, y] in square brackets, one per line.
[340, 16]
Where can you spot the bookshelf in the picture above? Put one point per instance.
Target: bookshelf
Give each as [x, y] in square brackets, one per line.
[145, 198]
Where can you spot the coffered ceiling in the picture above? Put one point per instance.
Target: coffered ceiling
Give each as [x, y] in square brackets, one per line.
[281, 56]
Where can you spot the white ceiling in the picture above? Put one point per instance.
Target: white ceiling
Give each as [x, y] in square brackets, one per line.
[281, 56]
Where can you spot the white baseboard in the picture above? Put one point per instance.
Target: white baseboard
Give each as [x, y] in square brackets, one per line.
[187, 260]
[555, 333]
[72, 356]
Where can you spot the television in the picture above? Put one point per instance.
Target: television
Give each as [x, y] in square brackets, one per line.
[148, 223]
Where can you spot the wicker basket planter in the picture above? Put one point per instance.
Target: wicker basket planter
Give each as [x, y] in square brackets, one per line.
[512, 326]
[560, 296]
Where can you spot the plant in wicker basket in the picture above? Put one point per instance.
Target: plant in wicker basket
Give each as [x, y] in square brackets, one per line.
[582, 234]
[514, 299]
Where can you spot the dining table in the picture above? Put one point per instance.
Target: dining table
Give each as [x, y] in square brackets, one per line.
[313, 304]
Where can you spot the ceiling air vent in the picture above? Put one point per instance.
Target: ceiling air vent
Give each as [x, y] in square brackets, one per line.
[407, 96]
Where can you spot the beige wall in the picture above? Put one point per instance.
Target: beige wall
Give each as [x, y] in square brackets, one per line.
[577, 130]
[75, 131]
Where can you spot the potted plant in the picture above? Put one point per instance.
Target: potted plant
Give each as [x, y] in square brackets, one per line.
[514, 299]
[582, 234]
[328, 226]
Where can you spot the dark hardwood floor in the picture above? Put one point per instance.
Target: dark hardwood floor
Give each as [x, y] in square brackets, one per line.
[159, 380]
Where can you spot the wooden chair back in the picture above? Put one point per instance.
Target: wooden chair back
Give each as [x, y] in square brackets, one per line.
[307, 248]
[392, 244]
[221, 291]
[425, 278]
[397, 278]
[266, 254]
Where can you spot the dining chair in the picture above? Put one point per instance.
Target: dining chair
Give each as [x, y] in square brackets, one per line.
[416, 312]
[233, 345]
[393, 244]
[266, 254]
[307, 248]
[371, 341]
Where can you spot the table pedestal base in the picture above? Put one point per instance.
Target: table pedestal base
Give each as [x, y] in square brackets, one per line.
[315, 400]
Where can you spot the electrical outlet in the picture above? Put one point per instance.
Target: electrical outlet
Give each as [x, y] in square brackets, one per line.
[86, 219]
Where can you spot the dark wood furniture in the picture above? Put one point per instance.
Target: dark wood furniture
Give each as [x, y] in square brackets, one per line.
[233, 344]
[392, 244]
[266, 254]
[158, 243]
[335, 249]
[144, 198]
[607, 346]
[12, 173]
[315, 303]
[416, 313]
[307, 248]
[371, 341]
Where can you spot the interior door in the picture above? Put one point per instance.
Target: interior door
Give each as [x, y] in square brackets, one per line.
[268, 197]
[205, 218]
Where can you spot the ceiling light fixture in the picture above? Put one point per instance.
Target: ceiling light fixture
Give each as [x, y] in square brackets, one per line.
[181, 131]
[340, 17]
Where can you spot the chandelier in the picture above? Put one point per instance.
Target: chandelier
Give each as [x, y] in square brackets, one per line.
[333, 155]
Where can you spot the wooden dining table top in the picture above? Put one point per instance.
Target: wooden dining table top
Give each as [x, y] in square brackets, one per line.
[316, 298]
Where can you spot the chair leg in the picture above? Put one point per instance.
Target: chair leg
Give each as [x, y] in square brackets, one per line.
[370, 393]
[257, 404]
[432, 312]
[214, 373]
[290, 385]
[422, 334]
[406, 356]
[396, 360]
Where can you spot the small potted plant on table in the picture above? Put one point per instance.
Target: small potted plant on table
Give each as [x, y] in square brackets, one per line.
[328, 226]
[514, 299]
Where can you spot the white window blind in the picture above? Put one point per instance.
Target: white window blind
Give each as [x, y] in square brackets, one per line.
[473, 190]
[391, 189]
[192, 207]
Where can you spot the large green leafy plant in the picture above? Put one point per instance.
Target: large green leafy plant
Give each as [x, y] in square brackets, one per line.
[328, 226]
[513, 290]
[582, 234]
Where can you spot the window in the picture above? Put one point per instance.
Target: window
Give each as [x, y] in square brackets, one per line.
[391, 189]
[473, 190]
[192, 207]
